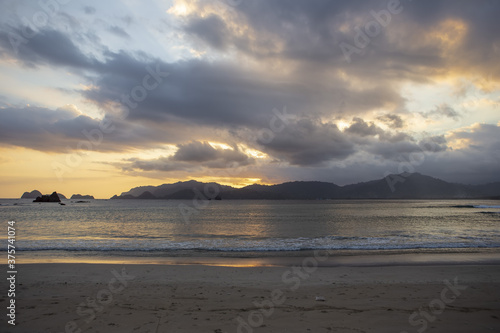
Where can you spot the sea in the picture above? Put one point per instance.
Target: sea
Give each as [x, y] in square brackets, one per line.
[182, 229]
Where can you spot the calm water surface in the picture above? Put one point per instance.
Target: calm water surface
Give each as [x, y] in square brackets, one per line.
[252, 227]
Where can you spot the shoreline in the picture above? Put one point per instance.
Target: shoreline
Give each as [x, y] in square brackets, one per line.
[322, 258]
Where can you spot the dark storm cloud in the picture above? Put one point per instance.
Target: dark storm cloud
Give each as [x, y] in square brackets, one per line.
[390, 145]
[311, 32]
[222, 94]
[308, 29]
[431, 156]
[50, 47]
[393, 151]
[41, 128]
[362, 128]
[203, 152]
[308, 142]
[211, 29]
[214, 93]
[64, 130]
[193, 156]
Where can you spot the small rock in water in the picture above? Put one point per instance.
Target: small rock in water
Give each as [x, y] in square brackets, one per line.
[320, 299]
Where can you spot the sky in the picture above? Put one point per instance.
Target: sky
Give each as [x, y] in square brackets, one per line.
[97, 97]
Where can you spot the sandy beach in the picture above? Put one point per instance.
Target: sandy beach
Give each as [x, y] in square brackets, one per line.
[81, 297]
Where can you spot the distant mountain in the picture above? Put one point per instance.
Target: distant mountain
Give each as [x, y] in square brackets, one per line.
[179, 190]
[126, 196]
[400, 186]
[146, 195]
[291, 190]
[407, 186]
[31, 195]
[486, 190]
[79, 196]
[35, 194]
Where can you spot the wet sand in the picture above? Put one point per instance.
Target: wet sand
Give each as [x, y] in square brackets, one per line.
[78, 297]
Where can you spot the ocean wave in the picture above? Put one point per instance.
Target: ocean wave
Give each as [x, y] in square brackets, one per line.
[266, 249]
[490, 213]
[273, 244]
[485, 206]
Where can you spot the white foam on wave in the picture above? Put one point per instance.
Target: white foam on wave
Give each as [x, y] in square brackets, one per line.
[262, 245]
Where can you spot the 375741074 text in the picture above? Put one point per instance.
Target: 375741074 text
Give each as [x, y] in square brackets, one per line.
[11, 272]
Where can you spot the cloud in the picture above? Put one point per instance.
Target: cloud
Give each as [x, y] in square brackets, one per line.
[474, 156]
[211, 30]
[307, 142]
[393, 120]
[217, 93]
[89, 10]
[39, 128]
[66, 129]
[222, 94]
[193, 156]
[476, 162]
[442, 110]
[415, 44]
[118, 31]
[478, 137]
[203, 152]
[253, 58]
[46, 47]
[362, 128]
